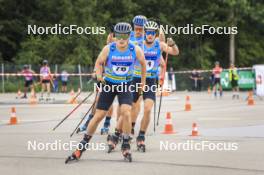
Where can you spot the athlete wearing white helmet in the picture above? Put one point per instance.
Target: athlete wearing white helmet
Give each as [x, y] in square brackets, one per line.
[152, 48]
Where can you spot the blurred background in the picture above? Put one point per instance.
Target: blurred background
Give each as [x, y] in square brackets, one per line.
[78, 52]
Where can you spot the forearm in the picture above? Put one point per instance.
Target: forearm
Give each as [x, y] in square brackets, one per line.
[175, 50]
[162, 36]
[98, 68]
[143, 74]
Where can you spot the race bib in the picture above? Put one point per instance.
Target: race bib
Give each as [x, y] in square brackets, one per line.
[120, 70]
[150, 64]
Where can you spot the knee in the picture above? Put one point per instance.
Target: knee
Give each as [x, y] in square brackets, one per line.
[147, 108]
[125, 113]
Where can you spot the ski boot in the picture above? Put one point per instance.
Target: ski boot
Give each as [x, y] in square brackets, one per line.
[215, 94]
[76, 155]
[112, 141]
[125, 148]
[84, 127]
[221, 94]
[141, 147]
[104, 130]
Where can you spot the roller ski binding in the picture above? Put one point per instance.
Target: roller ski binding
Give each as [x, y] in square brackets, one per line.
[81, 129]
[112, 141]
[126, 151]
[104, 131]
[41, 99]
[141, 147]
[84, 127]
[74, 157]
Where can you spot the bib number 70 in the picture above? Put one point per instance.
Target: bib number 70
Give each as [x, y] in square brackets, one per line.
[120, 70]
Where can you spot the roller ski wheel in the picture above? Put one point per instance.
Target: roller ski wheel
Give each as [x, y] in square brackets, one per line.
[41, 99]
[127, 155]
[112, 141]
[104, 131]
[111, 147]
[78, 130]
[49, 99]
[141, 147]
[81, 129]
[74, 157]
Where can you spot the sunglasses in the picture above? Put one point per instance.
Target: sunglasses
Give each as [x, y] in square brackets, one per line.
[121, 36]
[150, 33]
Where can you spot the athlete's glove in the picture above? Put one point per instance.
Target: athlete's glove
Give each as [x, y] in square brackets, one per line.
[170, 42]
[100, 79]
[161, 81]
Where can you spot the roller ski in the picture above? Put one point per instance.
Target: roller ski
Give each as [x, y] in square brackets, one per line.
[112, 141]
[74, 157]
[141, 147]
[84, 127]
[49, 99]
[126, 152]
[104, 131]
[80, 129]
[41, 99]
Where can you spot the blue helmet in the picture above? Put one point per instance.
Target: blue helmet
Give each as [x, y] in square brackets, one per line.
[139, 20]
[122, 28]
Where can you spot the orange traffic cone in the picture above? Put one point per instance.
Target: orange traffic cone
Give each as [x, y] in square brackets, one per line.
[250, 99]
[33, 99]
[188, 105]
[13, 118]
[72, 100]
[72, 92]
[18, 94]
[168, 129]
[194, 130]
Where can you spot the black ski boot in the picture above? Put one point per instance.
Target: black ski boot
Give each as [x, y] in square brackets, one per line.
[125, 148]
[141, 147]
[76, 155]
[112, 141]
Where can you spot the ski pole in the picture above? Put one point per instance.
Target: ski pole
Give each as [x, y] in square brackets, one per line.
[85, 115]
[73, 109]
[163, 74]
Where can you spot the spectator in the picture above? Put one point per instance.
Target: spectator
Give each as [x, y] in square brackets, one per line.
[64, 80]
[233, 78]
[28, 75]
[56, 84]
[196, 80]
[217, 70]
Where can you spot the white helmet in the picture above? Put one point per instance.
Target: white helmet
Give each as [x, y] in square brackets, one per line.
[151, 25]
